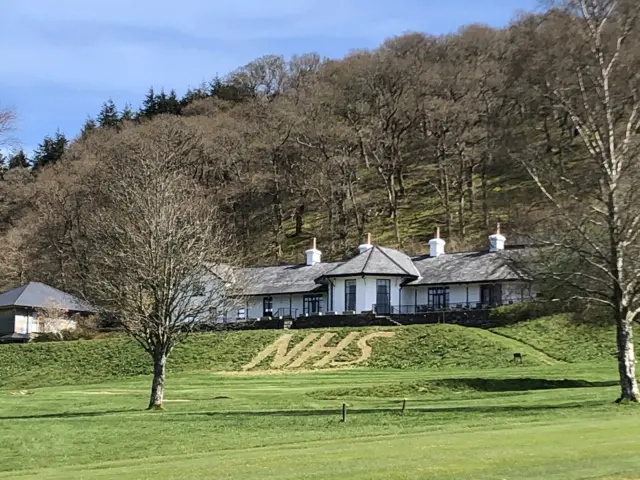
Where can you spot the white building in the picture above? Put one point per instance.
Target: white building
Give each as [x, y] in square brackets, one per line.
[385, 281]
[38, 308]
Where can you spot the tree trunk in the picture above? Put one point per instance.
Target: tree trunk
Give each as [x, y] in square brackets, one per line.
[157, 387]
[485, 193]
[626, 361]
[299, 214]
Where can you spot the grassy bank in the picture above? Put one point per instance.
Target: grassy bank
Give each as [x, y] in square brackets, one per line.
[542, 341]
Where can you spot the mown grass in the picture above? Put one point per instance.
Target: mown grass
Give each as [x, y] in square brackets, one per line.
[564, 338]
[472, 413]
[84, 361]
[280, 426]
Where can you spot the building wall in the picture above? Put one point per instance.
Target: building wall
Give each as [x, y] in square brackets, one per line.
[254, 305]
[27, 321]
[365, 292]
[466, 293]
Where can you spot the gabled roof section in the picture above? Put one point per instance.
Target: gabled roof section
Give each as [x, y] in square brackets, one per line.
[284, 279]
[39, 295]
[470, 267]
[377, 261]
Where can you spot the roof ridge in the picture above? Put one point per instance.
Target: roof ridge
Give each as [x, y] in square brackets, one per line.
[24, 289]
[397, 264]
[368, 258]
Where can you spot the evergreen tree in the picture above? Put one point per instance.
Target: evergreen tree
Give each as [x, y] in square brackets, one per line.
[108, 116]
[18, 160]
[127, 114]
[149, 105]
[50, 150]
[193, 95]
[173, 104]
[88, 127]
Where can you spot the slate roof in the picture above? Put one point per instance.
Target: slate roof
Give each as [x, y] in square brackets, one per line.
[39, 295]
[376, 261]
[470, 267]
[284, 279]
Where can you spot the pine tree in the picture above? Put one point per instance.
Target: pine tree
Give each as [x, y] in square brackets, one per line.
[18, 160]
[127, 114]
[108, 116]
[50, 150]
[88, 127]
[173, 104]
[149, 105]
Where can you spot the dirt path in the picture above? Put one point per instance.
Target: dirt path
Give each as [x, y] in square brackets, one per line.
[522, 348]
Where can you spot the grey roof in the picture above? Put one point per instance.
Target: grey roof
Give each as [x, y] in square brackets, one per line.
[377, 261]
[284, 279]
[470, 267]
[39, 295]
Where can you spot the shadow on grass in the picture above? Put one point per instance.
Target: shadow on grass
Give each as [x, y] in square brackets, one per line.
[388, 391]
[516, 384]
[99, 413]
[320, 412]
[455, 386]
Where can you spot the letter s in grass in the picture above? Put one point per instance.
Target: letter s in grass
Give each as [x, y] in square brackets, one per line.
[365, 348]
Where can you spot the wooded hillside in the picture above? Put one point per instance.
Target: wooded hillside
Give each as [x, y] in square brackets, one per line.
[421, 132]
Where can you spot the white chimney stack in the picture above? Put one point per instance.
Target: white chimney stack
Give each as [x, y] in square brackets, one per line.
[367, 245]
[496, 241]
[436, 245]
[313, 254]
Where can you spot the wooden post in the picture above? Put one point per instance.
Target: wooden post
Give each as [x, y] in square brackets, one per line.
[344, 413]
[404, 405]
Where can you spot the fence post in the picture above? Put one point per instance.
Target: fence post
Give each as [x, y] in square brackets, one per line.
[404, 405]
[344, 412]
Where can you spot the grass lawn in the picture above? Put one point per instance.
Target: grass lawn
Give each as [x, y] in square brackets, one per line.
[546, 421]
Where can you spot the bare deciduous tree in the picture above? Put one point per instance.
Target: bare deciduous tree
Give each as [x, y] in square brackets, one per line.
[160, 245]
[596, 227]
[7, 124]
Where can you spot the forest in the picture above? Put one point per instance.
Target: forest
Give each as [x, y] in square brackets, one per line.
[456, 131]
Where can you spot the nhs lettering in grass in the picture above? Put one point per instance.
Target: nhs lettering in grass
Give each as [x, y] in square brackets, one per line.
[314, 347]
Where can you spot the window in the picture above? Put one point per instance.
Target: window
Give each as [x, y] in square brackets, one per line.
[349, 295]
[242, 313]
[312, 303]
[383, 296]
[198, 289]
[267, 307]
[491, 294]
[439, 297]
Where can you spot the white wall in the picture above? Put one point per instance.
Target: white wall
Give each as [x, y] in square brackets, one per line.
[27, 322]
[466, 293]
[365, 292]
[254, 305]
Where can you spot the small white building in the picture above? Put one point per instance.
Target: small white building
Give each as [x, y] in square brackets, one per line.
[384, 281]
[38, 308]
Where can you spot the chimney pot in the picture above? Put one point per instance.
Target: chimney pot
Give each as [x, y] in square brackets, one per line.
[367, 245]
[436, 245]
[313, 254]
[496, 241]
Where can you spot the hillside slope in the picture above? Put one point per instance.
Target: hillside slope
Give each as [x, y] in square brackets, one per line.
[542, 341]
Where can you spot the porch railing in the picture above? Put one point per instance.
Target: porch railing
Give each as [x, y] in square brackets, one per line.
[417, 309]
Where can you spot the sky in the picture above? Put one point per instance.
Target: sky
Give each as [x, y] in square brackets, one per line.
[60, 60]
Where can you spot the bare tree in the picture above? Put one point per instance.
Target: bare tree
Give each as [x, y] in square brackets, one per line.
[160, 245]
[7, 125]
[594, 234]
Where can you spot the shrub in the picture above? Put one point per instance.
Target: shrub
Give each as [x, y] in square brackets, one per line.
[520, 312]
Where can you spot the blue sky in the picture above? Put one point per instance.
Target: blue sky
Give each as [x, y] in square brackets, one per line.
[62, 59]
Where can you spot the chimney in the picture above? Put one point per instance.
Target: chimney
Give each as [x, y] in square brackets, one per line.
[496, 241]
[313, 254]
[367, 245]
[436, 245]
